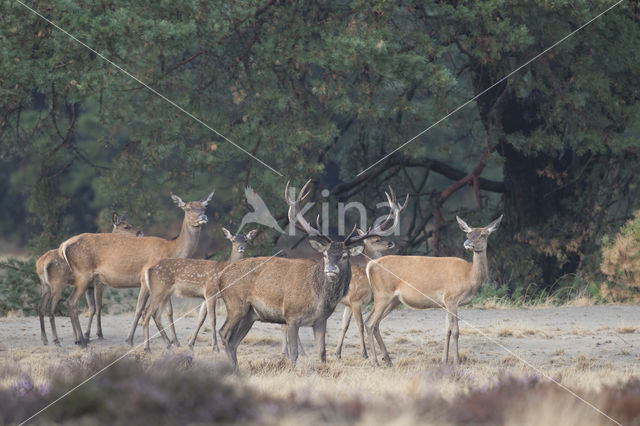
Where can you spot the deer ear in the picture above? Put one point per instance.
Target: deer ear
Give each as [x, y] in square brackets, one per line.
[227, 234]
[251, 235]
[206, 200]
[463, 225]
[355, 250]
[318, 246]
[178, 201]
[115, 219]
[494, 225]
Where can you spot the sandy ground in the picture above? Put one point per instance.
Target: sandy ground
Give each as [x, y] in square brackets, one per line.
[581, 347]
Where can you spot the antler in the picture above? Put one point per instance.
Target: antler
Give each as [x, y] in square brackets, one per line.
[394, 213]
[296, 218]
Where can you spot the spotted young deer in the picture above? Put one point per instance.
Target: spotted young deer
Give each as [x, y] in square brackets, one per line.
[55, 275]
[422, 282]
[295, 292]
[188, 278]
[118, 259]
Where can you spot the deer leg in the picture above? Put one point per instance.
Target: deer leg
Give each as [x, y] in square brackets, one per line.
[81, 284]
[381, 308]
[346, 318]
[385, 354]
[455, 331]
[91, 302]
[357, 316]
[201, 317]
[211, 308]
[292, 340]
[45, 299]
[214, 328]
[51, 308]
[142, 300]
[447, 336]
[319, 333]
[99, 291]
[154, 309]
[285, 343]
[301, 347]
[172, 327]
[233, 331]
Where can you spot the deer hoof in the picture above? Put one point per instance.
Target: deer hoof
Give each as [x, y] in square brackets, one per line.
[129, 342]
[365, 355]
[100, 336]
[57, 343]
[147, 350]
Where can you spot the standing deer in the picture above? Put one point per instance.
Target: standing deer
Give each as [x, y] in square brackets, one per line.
[422, 282]
[295, 292]
[188, 278]
[359, 294]
[118, 259]
[55, 275]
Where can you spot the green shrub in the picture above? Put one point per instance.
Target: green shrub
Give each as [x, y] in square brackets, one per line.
[19, 286]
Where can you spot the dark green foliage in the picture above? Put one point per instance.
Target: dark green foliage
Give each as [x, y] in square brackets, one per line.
[323, 90]
[19, 286]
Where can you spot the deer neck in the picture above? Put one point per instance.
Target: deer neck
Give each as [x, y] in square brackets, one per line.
[235, 256]
[371, 253]
[186, 243]
[330, 292]
[479, 268]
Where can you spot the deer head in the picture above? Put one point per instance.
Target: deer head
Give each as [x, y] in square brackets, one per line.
[194, 211]
[121, 226]
[477, 237]
[336, 254]
[239, 240]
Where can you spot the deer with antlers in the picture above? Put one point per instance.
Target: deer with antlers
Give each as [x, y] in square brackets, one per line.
[422, 282]
[117, 260]
[188, 278]
[295, 292]
[55, 275]
[360, 294]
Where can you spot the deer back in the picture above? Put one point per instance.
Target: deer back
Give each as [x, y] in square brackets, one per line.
[420, 281]
[117, 258]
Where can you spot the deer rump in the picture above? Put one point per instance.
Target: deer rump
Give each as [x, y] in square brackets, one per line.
[287, 288]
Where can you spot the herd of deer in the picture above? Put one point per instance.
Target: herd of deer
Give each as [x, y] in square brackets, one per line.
[292, 292]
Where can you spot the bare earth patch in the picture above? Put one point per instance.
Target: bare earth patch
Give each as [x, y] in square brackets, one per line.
[580, 347]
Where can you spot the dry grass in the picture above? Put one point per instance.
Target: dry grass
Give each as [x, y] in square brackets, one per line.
[626, 330]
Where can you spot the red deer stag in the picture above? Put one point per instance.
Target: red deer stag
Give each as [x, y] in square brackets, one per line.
[55, 275]
[422, 282]
[117, 260]
[295, 292]
[188, 278]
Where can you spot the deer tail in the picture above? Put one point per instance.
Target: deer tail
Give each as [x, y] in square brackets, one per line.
[145, 277]
[62, 251]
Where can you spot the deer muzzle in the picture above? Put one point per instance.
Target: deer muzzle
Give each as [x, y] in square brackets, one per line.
[331, 271]
[468, 245]
[202, 219]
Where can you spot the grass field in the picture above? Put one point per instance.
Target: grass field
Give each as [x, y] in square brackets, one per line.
[594, 351]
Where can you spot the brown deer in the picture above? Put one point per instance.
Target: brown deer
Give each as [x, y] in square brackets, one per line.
[118, 259]
[295, 292]
[422, 282]
[360, 294]
[55, 275]
[188, 278]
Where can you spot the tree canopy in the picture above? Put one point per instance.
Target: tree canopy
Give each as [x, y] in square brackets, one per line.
[324, 90]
